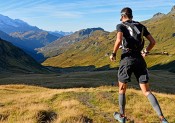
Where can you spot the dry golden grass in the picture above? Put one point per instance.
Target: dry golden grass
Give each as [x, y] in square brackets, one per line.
[30, 104]
[21, 103]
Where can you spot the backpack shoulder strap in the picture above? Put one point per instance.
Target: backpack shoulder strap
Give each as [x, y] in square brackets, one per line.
[132, 26]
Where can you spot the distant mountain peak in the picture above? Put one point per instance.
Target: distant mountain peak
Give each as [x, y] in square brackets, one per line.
[173, 9]
[20, 21]
[158, 15]
[93, 29]
[60, 33]
[88, 31]
[9, 25]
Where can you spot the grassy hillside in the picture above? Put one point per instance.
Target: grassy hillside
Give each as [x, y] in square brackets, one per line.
[163, 29]
[60, 45]
[95, 50]
[13, 59]
[91, 51]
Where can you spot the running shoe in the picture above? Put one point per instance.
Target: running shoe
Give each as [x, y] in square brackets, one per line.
[118, 117]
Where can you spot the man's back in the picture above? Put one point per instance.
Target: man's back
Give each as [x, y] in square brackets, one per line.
[133, 33]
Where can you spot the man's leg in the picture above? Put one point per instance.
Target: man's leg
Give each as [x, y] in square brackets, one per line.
[122, 101]
[121, 98]
[146, 91]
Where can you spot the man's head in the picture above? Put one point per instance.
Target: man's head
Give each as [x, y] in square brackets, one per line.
[126, 13]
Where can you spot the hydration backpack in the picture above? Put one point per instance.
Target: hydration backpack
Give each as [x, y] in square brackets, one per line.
[134, 41]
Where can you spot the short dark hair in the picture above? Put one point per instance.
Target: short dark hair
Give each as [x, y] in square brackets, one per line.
[127, 11]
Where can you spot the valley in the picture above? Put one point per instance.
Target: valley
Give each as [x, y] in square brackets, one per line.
[67, 77]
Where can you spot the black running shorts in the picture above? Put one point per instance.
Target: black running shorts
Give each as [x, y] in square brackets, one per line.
[129, 65]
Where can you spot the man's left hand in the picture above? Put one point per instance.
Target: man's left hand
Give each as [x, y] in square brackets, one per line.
[112, 57]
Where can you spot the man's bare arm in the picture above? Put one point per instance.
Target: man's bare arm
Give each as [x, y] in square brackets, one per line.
[151, 44]
[118, 42]
[116, 45]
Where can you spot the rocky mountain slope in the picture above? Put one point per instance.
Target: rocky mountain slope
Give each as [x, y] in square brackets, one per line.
[60, 45]
[35, 39]
[9, 25]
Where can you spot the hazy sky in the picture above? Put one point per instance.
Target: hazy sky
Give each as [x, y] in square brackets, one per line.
[73, 15]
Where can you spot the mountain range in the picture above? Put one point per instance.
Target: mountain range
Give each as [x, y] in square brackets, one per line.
[95, 49]
[18, 41]
[9, 25]
[26, 36]
[34, 39]
[60, 33]
[60, 45]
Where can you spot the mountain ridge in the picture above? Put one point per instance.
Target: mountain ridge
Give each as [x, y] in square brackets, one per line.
[158, 15]
[173, 9]
[9, 25]
[61, 33]
[55, 47]
[41, 37]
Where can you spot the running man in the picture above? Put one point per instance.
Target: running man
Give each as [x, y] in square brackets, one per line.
[130, 39]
